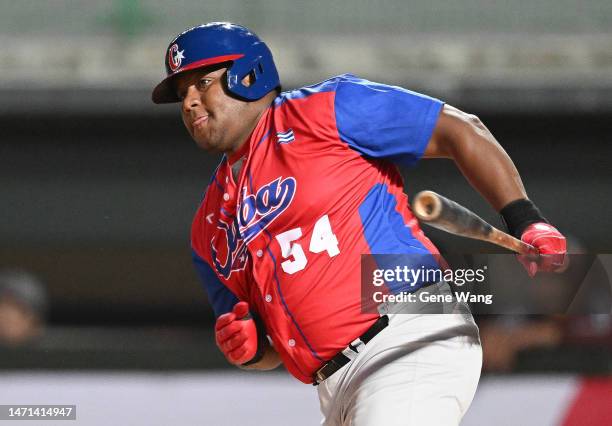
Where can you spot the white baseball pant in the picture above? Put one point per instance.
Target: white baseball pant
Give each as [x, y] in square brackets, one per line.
[422, 369]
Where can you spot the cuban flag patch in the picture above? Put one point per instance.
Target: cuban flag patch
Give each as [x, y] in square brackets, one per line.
[285, 137]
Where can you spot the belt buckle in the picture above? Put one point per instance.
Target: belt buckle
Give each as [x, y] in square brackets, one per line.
[351, 352]
[383, 308]
[357, 345]
[318, 377]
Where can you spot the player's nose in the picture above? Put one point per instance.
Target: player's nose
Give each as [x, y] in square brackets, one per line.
[191, 99]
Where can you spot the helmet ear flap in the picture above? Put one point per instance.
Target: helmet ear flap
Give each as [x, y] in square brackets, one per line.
[262, 73]
[244, 80]
[237, 73]
[257, 72]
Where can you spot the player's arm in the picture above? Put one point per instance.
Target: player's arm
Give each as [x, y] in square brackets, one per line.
[238, 335]
[270, 360]
[465, 139]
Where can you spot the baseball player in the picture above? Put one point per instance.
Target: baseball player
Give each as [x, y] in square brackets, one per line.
[307, 184]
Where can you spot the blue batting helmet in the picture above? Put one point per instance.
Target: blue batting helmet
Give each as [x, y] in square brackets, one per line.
[215, 43]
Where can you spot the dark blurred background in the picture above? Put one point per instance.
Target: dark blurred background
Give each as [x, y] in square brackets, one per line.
[98, 185]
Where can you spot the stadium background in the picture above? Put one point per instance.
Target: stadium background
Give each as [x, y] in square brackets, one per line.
[98, 186]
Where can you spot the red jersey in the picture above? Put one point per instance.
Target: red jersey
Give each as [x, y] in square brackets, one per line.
[317, 188]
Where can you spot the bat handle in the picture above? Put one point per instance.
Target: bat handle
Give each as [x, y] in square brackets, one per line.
[514, 244]
[528, 249]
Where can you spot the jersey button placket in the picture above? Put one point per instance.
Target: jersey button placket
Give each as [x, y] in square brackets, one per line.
[229, 195]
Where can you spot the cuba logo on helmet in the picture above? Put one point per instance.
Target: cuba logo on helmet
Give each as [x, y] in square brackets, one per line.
[175, 57]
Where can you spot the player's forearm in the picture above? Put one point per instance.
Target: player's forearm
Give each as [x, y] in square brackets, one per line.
[463, 138]
[270, 360]
[489, 169]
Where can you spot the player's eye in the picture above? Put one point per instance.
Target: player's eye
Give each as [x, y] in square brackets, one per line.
[204, 82]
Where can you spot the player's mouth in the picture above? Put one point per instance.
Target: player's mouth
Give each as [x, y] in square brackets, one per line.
[201, 119]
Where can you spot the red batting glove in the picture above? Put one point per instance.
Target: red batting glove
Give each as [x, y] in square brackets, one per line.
[550, 244]
[236, 334]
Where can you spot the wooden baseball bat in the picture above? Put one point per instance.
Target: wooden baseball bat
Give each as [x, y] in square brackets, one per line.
[449, 216]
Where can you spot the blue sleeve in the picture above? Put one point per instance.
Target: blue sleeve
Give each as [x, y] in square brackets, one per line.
[220, 297]
[381, 121]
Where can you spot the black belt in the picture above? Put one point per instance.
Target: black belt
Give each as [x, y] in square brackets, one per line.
[341, 359]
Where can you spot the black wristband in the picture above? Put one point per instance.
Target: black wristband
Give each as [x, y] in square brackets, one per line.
[262, 340]
[519, 214]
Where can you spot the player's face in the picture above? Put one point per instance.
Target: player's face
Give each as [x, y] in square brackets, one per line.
[216, 121]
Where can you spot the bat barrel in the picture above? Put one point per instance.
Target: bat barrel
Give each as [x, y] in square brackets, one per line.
[449, 216]
[427, 205]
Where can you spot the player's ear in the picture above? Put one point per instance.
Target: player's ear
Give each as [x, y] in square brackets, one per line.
[248, 79]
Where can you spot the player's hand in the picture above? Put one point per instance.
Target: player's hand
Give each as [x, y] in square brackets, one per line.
[551, 246]
[236, 334]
